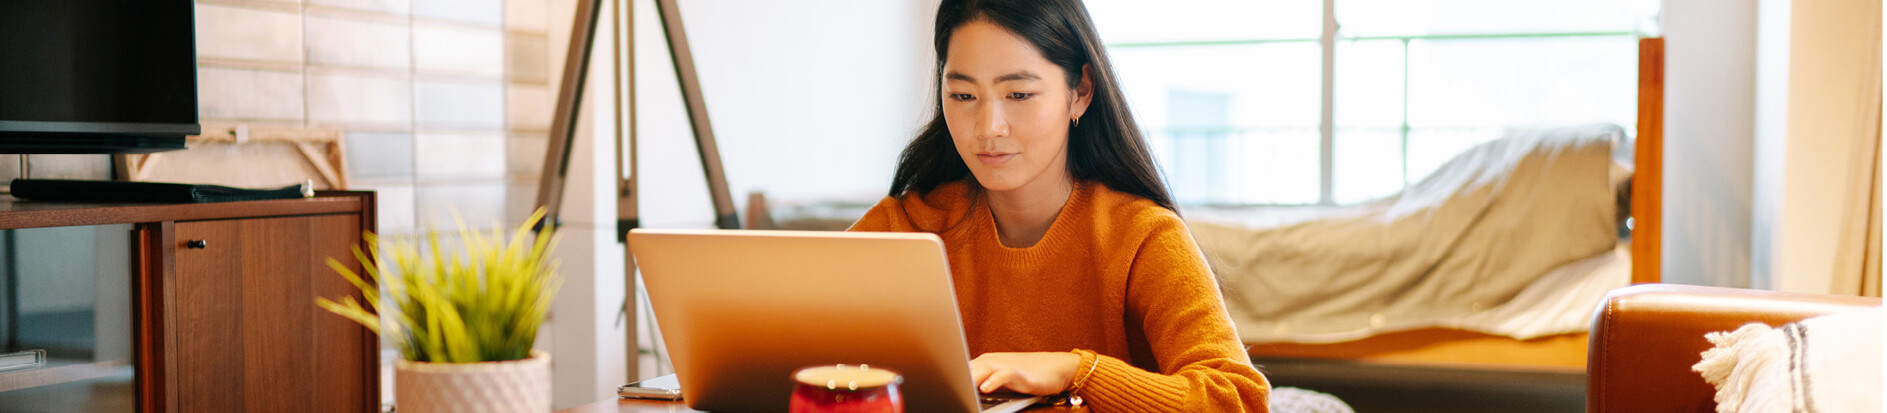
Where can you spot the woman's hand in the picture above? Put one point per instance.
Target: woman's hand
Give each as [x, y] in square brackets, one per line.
[1027, 373]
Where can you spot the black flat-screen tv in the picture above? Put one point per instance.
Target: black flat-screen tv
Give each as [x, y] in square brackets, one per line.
[97, 76]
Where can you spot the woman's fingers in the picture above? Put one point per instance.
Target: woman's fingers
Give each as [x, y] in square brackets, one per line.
[997, 379]
[990, 373]
[980, 371]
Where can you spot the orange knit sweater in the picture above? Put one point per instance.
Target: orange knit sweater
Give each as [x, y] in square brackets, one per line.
[1117, 279]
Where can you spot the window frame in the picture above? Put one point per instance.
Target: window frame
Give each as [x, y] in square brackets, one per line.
[1327, 43]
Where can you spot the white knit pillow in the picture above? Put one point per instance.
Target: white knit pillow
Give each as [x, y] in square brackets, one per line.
[1830, 363]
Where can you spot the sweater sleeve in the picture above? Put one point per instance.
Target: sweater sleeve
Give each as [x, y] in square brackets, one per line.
[1203, 365]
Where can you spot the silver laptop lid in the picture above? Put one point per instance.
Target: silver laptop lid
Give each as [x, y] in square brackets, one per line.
[740, 310]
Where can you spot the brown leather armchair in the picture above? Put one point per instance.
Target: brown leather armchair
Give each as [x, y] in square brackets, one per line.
[1646, 337]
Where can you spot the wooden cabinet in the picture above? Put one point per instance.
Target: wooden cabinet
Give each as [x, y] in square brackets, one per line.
[224, 302]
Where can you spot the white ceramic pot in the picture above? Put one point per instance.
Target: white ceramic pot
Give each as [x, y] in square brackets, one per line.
[521, 386]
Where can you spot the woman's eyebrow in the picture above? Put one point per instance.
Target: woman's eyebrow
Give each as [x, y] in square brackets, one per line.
[1022, 75]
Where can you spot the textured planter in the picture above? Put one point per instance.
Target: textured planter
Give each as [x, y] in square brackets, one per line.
[499, 386]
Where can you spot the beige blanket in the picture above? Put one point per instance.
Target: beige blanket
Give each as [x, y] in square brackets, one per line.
[1465, 239]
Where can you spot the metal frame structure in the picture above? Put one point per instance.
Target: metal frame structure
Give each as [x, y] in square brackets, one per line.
[577, 57]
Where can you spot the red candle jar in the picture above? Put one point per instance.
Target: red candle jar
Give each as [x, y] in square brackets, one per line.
[846, 388]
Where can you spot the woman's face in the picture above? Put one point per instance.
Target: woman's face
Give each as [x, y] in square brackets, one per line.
[1008, 108]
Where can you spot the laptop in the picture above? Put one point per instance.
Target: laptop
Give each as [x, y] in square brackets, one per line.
[741, 310]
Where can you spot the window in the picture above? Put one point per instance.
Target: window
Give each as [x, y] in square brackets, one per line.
[1231, 93]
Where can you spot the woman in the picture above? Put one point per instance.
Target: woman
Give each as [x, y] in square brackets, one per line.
[1072, 270]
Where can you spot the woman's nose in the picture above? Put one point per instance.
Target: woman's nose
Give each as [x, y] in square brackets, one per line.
[990, 122]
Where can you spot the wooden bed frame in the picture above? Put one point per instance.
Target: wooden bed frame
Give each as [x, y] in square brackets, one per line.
[1565, 353]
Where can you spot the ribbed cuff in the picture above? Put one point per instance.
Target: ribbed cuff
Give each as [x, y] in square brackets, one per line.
[1123, 387]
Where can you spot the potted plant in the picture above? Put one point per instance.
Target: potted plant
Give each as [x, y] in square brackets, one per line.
[464, 319]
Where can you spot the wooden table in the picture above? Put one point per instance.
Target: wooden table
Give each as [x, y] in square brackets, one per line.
[629, 406]
[654, 406]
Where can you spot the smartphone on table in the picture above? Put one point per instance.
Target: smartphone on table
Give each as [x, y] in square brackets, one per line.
[659, 388]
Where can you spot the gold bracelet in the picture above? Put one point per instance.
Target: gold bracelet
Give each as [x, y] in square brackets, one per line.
[1083, 379]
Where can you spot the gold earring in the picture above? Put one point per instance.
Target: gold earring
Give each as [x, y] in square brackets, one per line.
[1077, 121]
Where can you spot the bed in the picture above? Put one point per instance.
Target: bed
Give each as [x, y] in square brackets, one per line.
[1545, 335]
[1536, 326]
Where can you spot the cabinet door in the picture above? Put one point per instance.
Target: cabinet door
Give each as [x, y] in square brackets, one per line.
[249, 336]
[209, 315]
[346, 356]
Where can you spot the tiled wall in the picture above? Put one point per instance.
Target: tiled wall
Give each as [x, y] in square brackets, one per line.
[444, 103]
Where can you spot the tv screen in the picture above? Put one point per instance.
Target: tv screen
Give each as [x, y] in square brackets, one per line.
[97, 76]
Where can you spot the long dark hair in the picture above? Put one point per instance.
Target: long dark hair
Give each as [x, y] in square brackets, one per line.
[1106, 146]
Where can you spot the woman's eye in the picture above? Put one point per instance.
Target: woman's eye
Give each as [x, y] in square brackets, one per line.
[1020, 95]
[962, 97]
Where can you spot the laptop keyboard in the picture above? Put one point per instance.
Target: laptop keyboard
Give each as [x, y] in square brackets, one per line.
[988, 401]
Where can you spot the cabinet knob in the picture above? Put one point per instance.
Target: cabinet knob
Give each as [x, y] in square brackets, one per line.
[197, 244]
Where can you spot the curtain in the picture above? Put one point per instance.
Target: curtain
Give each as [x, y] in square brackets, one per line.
[1870, 267]
[1857, 257]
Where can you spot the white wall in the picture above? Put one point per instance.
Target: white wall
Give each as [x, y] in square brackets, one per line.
[1709, 101]
[809, 99]
[426, 92]
[1771, 127]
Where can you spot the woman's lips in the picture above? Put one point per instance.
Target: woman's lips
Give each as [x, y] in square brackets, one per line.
[995, 159]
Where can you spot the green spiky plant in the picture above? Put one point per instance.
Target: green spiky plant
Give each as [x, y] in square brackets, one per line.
[482, 303]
